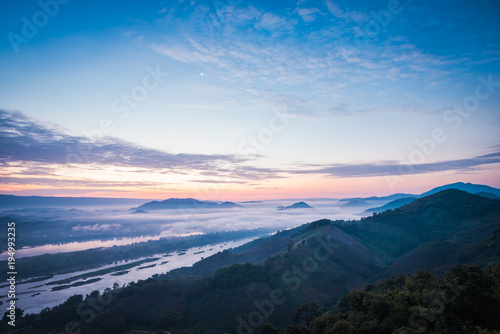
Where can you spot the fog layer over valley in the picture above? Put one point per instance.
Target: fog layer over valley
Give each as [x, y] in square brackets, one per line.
[74, 250]
[53, 226]
[66, 251]
[313, 265]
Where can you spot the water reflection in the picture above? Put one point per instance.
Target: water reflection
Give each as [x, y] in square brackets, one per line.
[34, 297]
[76, 246]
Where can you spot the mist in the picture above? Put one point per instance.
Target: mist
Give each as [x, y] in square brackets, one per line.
[66, 229]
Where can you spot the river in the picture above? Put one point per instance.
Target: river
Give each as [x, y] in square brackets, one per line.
[34, 297]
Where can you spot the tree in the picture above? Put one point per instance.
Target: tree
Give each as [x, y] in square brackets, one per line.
[19, 314]
[269, 329]
[306, 314]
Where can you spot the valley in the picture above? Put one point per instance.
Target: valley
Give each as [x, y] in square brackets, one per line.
[318, 262]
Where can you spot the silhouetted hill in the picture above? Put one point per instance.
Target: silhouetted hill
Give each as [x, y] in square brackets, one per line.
[298, 205]
[488, 195]
[392, 205]
[186, 203]
[446, 214]
[469, 187]
[376, 198]
[318, 262]
[356, 203]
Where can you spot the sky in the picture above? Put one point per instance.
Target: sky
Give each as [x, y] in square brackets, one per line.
[247, 100]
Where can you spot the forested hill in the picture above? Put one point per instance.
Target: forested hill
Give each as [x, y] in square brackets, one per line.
[465, 300]
[186, 204]
[320, 262]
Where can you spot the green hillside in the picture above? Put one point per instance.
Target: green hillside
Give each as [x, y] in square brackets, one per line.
[265, 281]
[465, 300]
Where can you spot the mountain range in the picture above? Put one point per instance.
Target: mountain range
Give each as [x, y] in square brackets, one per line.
[402, 199]
[392, 205]
[468, 187]
[264, 281]
[12, 201]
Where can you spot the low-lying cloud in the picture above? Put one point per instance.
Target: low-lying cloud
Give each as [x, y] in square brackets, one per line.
[96, 227]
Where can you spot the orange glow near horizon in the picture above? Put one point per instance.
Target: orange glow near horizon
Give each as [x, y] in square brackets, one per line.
[114, 182]
[303, 186]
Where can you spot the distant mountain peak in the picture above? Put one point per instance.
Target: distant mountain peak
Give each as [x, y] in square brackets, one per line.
[356, 202]
[468, 187]
[186, 203]
[391, 205]
[458, 201]
[298, 205]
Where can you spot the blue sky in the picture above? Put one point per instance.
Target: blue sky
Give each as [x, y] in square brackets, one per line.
[254, 99]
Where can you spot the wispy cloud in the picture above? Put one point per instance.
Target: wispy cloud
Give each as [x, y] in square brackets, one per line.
[273, 22]
[75, 183]
[23, 139]
[391, 168]
[34, 149]
[345, 14]
[306, 54]
[308, 14]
